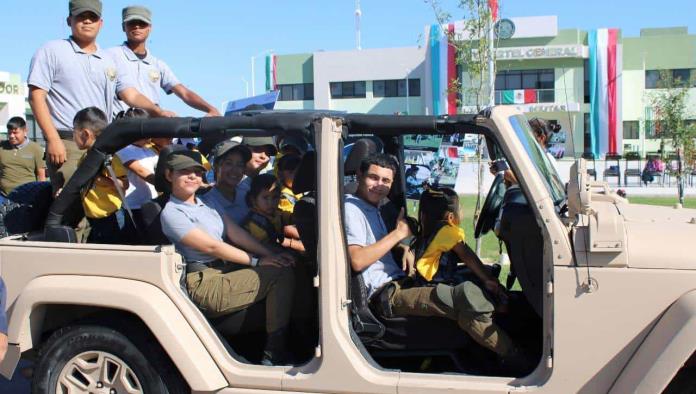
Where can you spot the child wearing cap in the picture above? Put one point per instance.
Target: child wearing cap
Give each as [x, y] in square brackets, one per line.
[287, 167]
[101, 201]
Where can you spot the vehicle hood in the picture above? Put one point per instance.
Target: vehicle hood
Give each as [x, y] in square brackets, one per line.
[659, 237]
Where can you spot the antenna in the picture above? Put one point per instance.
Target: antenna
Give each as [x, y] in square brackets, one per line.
[358, 14]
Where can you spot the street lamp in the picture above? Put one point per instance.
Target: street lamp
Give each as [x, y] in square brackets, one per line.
[246, 83]
[253, 73]
[408, 101]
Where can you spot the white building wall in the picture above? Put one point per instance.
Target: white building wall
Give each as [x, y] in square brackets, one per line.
[365, 65]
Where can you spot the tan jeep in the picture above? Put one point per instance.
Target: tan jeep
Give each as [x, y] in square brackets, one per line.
[608, 300]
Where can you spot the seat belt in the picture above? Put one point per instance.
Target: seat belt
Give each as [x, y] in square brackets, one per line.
[119, 189]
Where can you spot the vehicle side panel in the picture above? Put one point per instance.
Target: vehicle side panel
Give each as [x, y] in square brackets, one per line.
[597, 333]
[663, 352]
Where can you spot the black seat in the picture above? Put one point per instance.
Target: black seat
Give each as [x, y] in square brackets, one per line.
[525, 245]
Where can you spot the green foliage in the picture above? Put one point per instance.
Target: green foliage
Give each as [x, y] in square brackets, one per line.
[671, 113]
[473, 55]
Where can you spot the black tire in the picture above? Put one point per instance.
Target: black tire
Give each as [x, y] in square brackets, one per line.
[74, 341]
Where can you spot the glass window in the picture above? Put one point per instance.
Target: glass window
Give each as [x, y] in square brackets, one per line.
[359, 89]
[530, 79]
[513, 80]
[500, 81]
[546, 96]
[391, 88]
[546, 79]
[309, 91]
[298, 92]
[378, 88]
[414, 87]
[336, 89]
[348, 89]
[681, 76]
[401, 87]
[587, 136]
[652, 79]
[285, 92]
[586, 80]
[631, 130]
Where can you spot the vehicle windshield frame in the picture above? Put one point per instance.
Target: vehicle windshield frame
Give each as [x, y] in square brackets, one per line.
[538, 156]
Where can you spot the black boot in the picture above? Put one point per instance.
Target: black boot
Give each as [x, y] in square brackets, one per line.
[276, 352]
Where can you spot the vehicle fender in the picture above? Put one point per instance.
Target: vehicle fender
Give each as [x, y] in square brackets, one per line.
[663, 352]
[144, 300]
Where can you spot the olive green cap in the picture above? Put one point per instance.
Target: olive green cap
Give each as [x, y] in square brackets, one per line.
[181, 160]
[261, 141]
[228, 146]
[136, 13]
[77, 7]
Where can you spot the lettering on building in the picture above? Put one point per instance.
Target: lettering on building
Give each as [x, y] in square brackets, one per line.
[539, 52]
[10, 88]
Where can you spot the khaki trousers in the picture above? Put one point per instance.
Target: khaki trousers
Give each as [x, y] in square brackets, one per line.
[59, 175]
[220, 291]
[423, 301]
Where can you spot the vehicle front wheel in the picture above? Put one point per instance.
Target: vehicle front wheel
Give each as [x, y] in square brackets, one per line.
[93, 359]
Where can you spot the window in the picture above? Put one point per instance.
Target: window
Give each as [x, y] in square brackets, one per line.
[587, 135]
[542, 80]
[396, 88]
[631, 130]
[352, 89]
[297, 91]
[670, 78]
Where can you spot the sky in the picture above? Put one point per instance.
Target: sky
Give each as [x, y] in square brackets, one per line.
[209, 43]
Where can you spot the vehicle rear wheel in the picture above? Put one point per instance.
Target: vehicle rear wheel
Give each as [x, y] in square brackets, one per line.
[94, 359]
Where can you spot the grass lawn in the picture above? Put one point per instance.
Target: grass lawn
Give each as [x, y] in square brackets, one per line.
[490, 250]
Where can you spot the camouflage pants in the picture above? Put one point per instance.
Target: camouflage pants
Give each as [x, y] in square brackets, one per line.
[475, 321]
[220, 291]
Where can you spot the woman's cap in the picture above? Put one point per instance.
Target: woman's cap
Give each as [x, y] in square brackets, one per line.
[181, 160]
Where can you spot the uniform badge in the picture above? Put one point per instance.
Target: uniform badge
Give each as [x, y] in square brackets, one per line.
[111, 74]
[154, 76]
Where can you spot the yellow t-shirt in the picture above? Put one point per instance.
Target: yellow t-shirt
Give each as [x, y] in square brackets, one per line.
[101, 200]
[445, 239]
[259, 232]
[288, 200]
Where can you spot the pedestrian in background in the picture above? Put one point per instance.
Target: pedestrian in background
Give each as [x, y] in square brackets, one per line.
[21, 160]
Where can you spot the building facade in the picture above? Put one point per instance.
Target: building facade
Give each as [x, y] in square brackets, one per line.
[597, 84]
[13, 102]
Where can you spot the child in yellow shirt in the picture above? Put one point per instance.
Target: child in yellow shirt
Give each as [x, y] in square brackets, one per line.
[287, 166]
[265, 221]
[101, 200]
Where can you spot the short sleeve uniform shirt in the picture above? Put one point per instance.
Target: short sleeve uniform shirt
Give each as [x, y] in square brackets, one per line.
[150, 74]
[178, 218]
[75, 79]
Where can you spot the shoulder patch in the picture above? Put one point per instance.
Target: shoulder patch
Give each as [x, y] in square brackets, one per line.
[154, 76]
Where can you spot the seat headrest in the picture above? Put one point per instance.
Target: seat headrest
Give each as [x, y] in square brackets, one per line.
[306, 174]
[362, 148]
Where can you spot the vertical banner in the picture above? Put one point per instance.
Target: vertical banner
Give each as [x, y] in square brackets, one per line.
[443, 69]
[605, 92]
[270, 72]
[451, 73]
[434, 46]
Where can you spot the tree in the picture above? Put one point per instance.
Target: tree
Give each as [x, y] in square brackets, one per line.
[475, 56]
[670, 107]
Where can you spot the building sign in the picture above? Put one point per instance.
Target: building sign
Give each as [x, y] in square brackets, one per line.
[11, 88]
[571, 107]
[545, 52]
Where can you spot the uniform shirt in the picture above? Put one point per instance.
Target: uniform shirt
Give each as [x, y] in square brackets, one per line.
[149, 74]
[139, 191]
[364, 226]
[18, 164]
[178, 218]
[75, 80]
[234, 210]
[101, 200]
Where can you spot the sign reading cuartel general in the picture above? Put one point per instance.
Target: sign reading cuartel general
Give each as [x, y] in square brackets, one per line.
[545, 52]
[10, 88]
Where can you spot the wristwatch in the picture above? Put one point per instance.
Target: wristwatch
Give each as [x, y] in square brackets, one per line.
[254, 262]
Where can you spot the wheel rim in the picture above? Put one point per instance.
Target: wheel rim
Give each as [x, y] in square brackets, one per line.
[97, 372]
